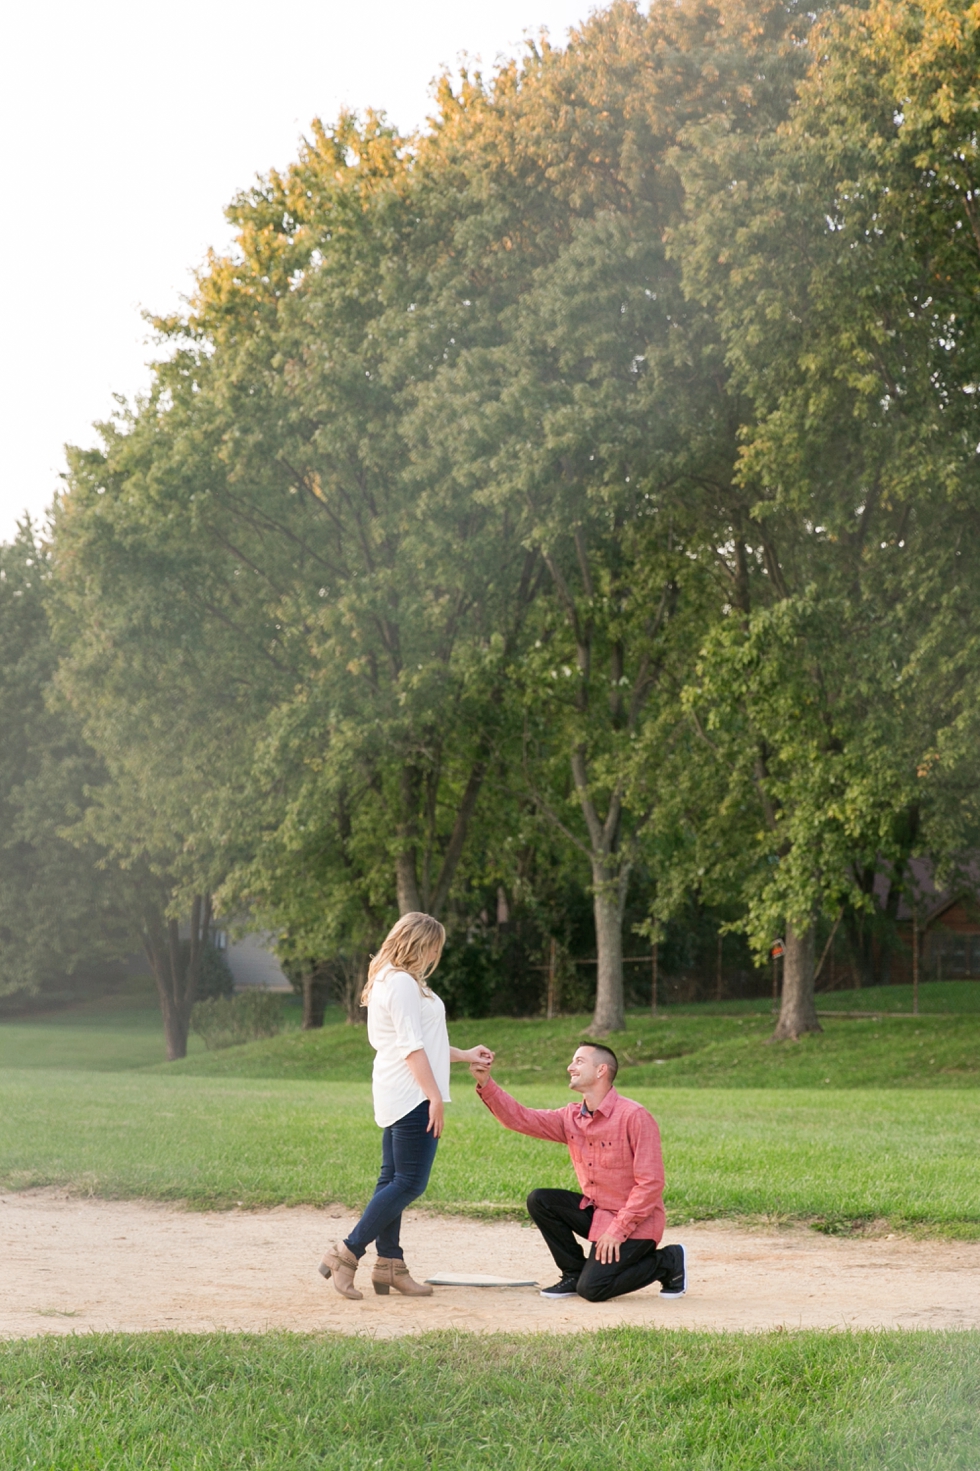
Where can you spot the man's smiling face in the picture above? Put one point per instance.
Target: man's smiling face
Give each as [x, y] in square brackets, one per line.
[582, 1072]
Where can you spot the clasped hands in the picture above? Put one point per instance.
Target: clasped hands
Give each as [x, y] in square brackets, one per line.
[480, 1066]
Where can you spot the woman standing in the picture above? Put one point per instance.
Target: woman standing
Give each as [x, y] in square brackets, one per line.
[407, 1029]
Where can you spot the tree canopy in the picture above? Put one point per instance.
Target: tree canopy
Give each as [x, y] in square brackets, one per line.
[573, 506]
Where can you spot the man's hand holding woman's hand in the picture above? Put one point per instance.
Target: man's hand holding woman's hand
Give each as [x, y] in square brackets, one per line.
[480, 1068]
[480, 1054]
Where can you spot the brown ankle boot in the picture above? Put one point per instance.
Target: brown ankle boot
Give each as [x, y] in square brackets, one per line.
[340, 1263]
[392, 1272]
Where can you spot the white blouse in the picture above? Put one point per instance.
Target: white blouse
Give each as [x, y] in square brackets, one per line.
[400, 1020]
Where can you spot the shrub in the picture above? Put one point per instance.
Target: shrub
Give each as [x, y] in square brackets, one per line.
[215, 977]
[227, 1021]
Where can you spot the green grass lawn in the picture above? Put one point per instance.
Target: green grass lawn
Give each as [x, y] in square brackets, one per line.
[827, 1156]
[869, 1120]
[111, 1034]
[631, 1398]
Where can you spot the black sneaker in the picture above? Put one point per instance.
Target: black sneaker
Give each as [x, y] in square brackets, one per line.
[565, 1288]
[674, 1279]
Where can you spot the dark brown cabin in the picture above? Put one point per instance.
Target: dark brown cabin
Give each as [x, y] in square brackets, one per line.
[949, 931]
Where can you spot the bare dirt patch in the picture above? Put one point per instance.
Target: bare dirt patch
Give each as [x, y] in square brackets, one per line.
[72, 1265]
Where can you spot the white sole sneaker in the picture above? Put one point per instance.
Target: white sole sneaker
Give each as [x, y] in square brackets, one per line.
[674, 1290]
[557, 1294]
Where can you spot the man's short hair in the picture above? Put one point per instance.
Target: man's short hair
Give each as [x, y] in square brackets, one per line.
[602, 1053]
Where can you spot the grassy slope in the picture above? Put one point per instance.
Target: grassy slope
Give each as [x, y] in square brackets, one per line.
[678, 1051]
[935, 997]
[726, 1046]
[642, 1399]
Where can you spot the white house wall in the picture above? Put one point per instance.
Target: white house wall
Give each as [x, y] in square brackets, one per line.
[254, 966]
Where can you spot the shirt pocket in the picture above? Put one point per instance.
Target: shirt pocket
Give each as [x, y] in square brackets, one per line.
[609, 1154]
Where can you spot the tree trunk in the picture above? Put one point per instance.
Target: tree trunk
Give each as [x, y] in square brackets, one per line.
[608, 893]
[859, 950]
[406, 859]
[314, 1002]
[610, 876]
[798, 1012]
[413, 896]
[406, 883]
[355, 969]
[176, 965]
[175, 1031]
[457, 838]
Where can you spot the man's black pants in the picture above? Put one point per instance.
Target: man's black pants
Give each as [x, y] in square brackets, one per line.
[559, 1218]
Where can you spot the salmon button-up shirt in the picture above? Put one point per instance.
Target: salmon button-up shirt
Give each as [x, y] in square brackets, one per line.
[615, 1152]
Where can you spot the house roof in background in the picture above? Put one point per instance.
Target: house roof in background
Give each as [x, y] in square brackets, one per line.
[931, 901]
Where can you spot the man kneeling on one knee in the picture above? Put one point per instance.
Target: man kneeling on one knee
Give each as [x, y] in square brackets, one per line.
[615, 1148]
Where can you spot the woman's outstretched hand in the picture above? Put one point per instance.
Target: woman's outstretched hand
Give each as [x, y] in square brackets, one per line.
[480, 1054]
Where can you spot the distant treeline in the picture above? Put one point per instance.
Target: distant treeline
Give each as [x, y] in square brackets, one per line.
[565, 521]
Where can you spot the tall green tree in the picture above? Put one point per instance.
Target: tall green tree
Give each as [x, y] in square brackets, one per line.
[399, 607]
[567, 433]
[165, 667]
[828, 256]
[604, 414]
[60, 909]
[635, 367]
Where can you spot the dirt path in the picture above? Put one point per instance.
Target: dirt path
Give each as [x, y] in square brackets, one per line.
[71, 1265]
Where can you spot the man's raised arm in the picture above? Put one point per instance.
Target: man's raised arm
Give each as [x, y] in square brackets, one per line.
[540, 1123]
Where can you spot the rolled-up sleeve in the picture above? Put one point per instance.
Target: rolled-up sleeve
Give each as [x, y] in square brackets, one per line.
[648, 1176]
[405, 1010]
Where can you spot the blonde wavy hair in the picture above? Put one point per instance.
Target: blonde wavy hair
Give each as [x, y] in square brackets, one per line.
[413, 944]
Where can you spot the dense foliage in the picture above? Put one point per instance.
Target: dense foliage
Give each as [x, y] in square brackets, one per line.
[228, 1021]
[61, 912]
[571, 509]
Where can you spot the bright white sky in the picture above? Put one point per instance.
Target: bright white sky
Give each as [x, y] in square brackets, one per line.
[125, 127]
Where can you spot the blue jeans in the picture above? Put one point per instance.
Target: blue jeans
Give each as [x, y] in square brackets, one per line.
[407, 1152]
